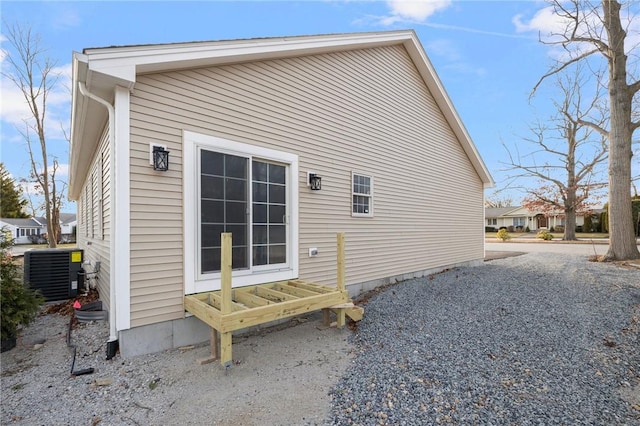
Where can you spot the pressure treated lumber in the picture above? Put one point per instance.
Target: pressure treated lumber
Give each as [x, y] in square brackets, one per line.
[228, 309]
[340, 279]
[226, 306]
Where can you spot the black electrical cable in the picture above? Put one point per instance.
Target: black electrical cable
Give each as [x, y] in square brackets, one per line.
[69, 345]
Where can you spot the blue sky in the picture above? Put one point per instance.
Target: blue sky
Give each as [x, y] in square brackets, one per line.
[486, 53]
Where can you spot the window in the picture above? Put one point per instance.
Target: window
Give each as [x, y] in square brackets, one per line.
[269, 213]
[362, 193]
[246, 190]
[519, 221]
[492, 221]
[224, 208]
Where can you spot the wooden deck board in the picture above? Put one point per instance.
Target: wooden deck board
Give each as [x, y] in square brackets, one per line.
[310, 286]
[296, 291]
[274, 295]
[250, 299]
[262, 303]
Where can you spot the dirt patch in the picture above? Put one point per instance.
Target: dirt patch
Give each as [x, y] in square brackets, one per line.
[280, 375]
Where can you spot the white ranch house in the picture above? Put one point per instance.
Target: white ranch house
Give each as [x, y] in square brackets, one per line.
[247, 124]
[518, 218]
[21, 229]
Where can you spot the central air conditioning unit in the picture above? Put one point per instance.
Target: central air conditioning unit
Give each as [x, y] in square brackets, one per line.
[54, 272]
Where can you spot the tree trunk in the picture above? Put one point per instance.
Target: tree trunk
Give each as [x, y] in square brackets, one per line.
[570, 226]
[570, 204]
[622, 242]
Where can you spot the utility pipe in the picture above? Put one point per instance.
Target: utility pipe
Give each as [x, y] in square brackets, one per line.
[113, 338]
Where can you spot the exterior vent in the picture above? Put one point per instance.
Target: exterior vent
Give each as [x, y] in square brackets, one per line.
[54, 272]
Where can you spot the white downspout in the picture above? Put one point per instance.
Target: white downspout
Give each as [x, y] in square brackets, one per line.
[112, 147]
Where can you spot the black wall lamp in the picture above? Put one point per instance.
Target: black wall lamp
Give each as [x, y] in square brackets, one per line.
[315, 182]
[160, 158]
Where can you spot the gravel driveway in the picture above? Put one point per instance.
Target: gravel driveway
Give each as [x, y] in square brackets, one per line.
[535, 339]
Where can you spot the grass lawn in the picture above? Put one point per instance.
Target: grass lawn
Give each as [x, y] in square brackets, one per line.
[44, 246]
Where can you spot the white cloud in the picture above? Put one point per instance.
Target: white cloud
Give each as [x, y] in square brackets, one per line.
[544, 21]
[33, 188]
[551, 27]
[30, 188]
[409, 11]
[416, 10]
[14, 109]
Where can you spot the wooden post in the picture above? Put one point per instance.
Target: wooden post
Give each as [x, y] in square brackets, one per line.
[225, 287]
[340, 276]
[326, 317]
[213, 341]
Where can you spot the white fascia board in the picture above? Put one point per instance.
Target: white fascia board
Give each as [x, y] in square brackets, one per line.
[125, 62]
[78, 111]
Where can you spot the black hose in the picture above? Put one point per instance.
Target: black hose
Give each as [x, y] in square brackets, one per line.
[69, 345]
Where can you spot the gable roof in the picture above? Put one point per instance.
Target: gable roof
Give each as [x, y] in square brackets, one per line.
[102, 69]
[498, 211]
[66, 218]
[22, 223]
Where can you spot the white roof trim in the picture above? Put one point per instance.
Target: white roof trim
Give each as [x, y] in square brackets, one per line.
[101, 69]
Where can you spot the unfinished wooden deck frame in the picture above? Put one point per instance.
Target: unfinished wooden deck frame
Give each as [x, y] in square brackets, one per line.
[230, 309]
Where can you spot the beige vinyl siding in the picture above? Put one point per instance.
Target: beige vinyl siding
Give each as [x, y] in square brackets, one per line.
[94, 216]
[365, 111]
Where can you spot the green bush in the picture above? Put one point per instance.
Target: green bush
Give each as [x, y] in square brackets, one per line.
[503, 235]
[527, 229]
[19, 304]
[543, 234]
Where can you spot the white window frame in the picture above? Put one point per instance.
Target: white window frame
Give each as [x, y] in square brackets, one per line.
[195, 282]
[370, 195]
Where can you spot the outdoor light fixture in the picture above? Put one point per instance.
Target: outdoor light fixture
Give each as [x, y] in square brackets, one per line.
[160, 158]
[315, 182]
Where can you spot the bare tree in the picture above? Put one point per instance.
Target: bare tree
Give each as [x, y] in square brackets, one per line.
[33, 73]
[570, 152]
[592, 30]
[496, 200]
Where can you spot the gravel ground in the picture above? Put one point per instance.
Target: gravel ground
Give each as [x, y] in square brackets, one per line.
[534, 339]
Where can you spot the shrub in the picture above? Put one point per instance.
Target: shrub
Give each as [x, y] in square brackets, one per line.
[543, 234]
[527, 229]
[503, 235]
[19, 305]
[489, 229]
[552, 229]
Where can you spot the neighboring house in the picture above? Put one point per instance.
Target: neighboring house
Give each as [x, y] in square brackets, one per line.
[23, 231]
[68, 223]
[246, 123]
[517, 218]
